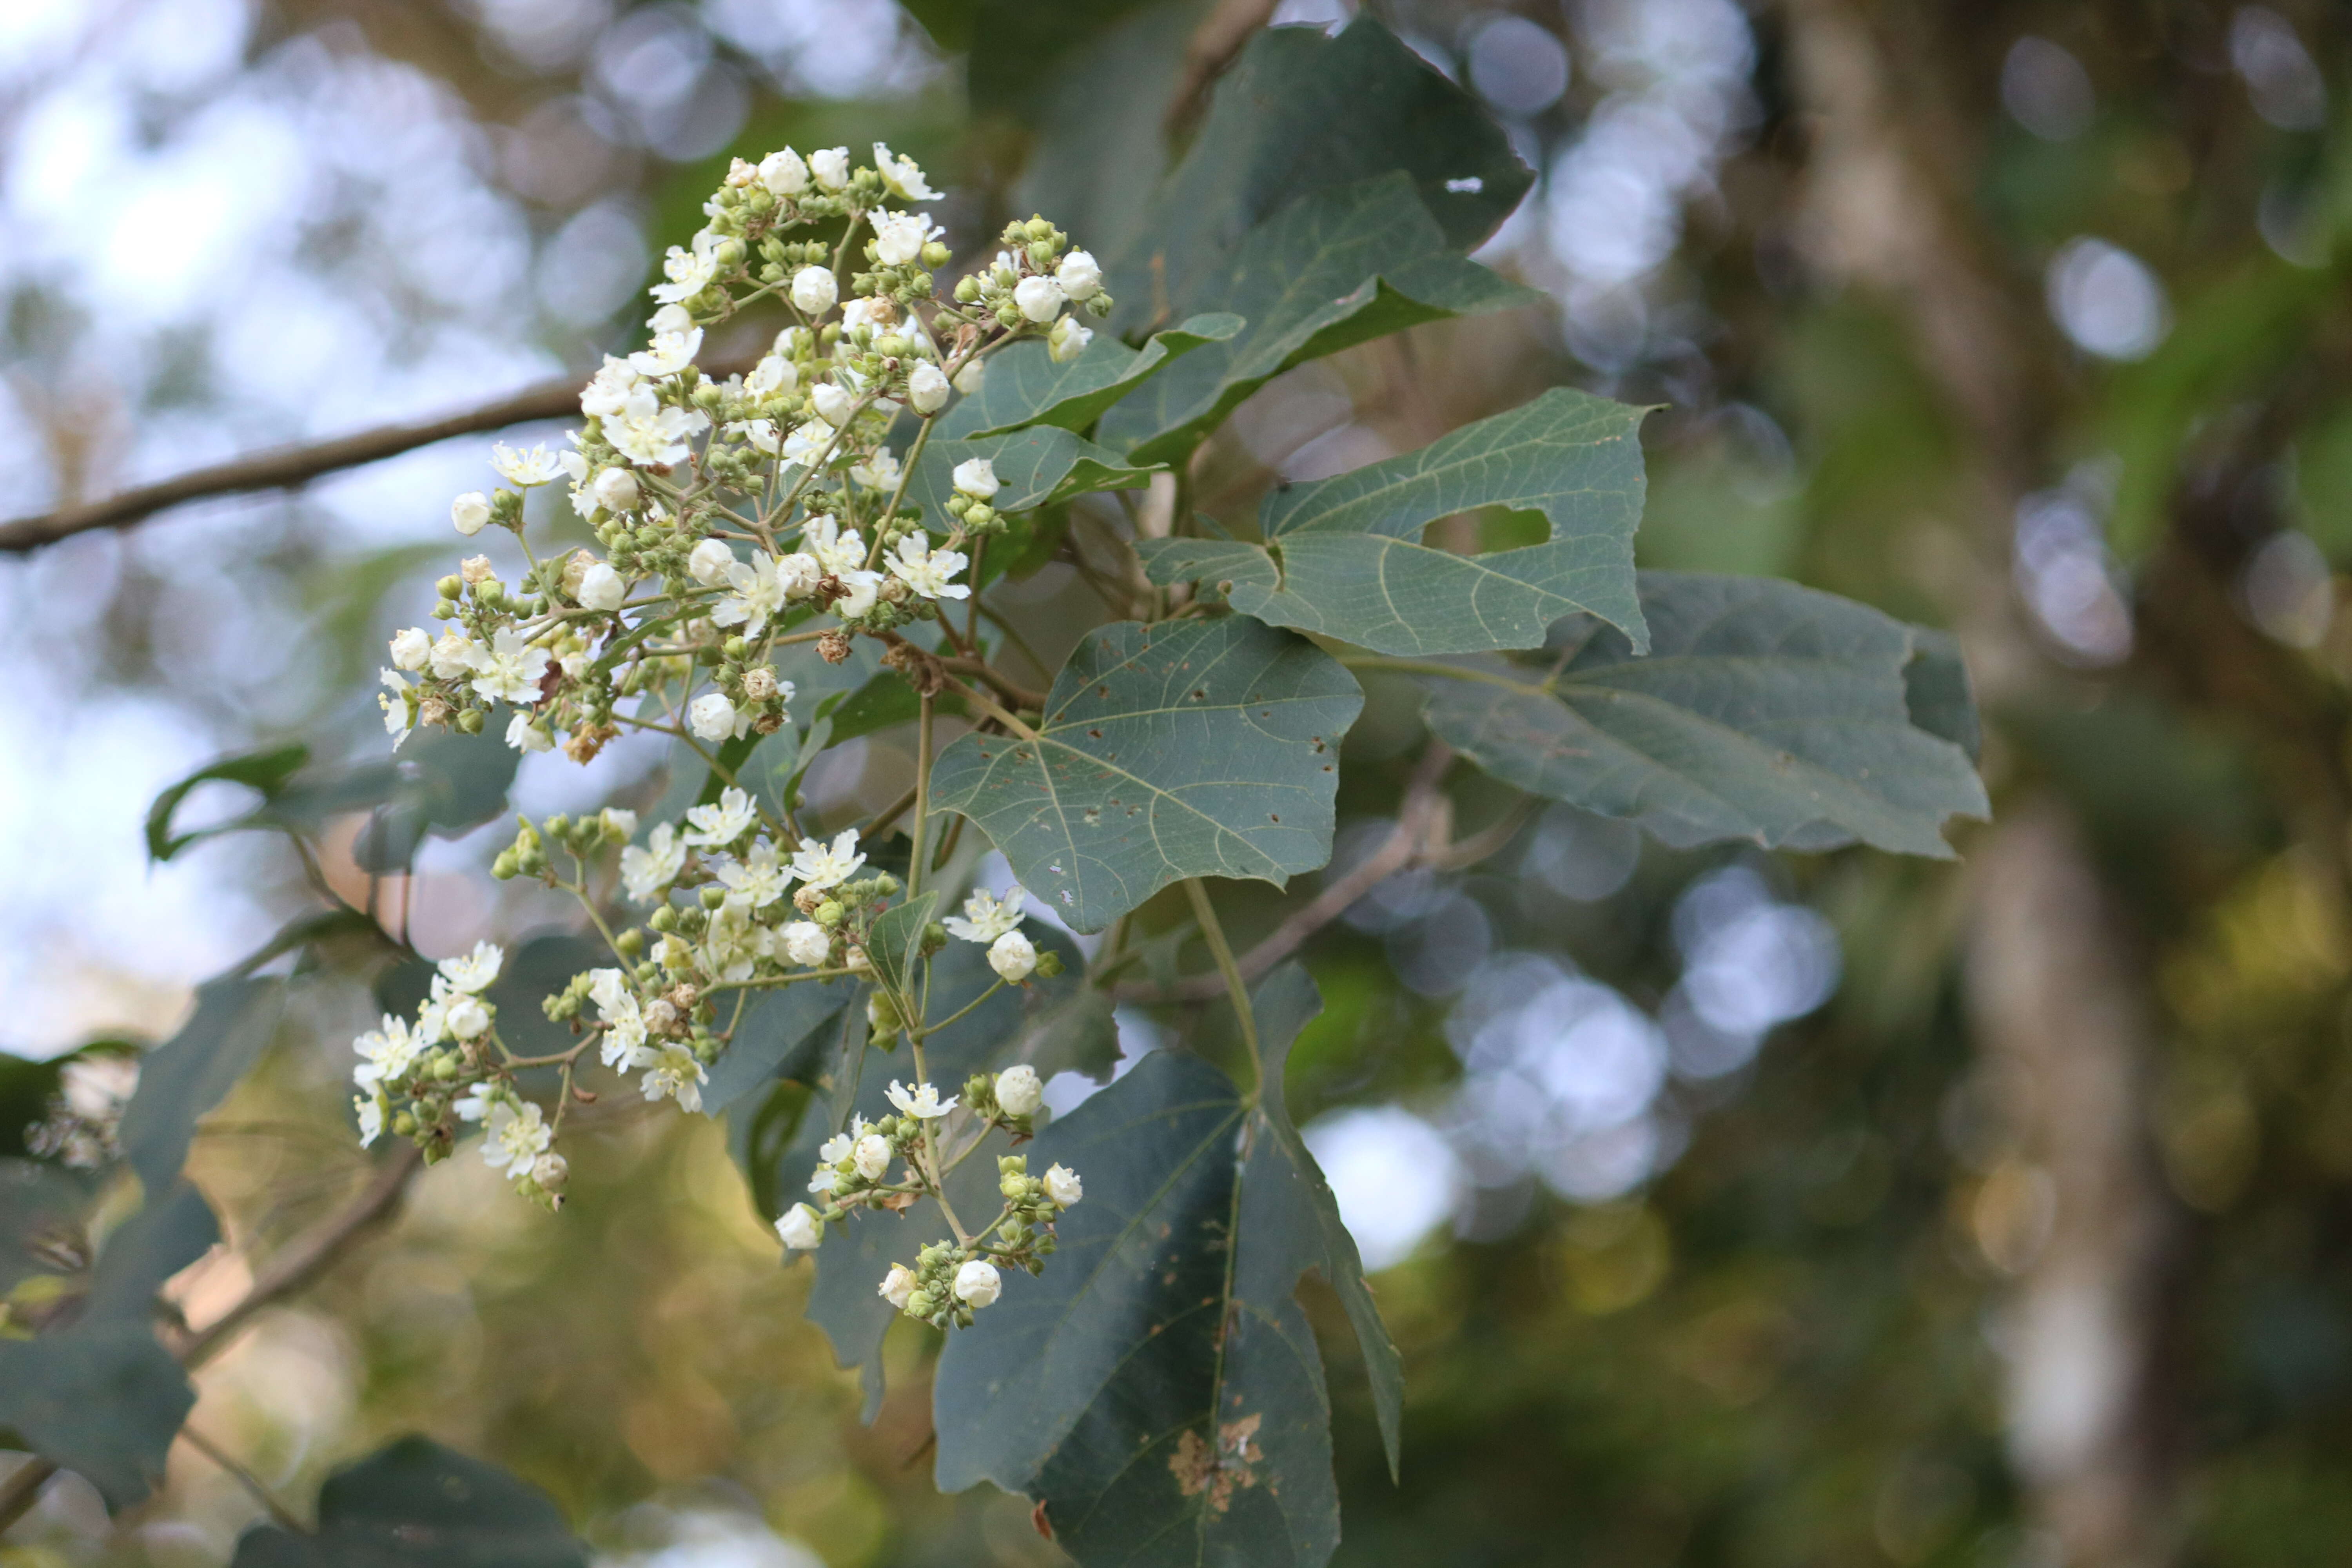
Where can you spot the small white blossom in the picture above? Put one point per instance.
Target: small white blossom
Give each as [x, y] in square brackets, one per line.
[550, 1171]
[835, 550]
[525, 736]
[974, 371]
[468, 1018]
[685, 273]
[370, 1115]
[902, 176]
[473, 972]
[668, 353]
[515, 1139]
[412, 647]
[833, 404]
[899, 237]
[978, 1284]
[808, 443]
[824, 1179]
[758, 880]
[712, 716]
[878, 472]
[814, 289]
[645, 871]
[798, 1227]
[865, 587]
[601, 588]
[898, 1286]
[618, 820]
[773, 376]
[1012, 957]
[784, 174]
[470, 512]
[475, 1103]
[708, 562]
[986, 917]
[927, 387]
[455, 655]
[607, 392]
[623, 1045]
[831, 167]
[1067, 340]
[646, 431]
[822, 866]
[1079, 275]
[759, 592]
[386, 1054]
[675, 1073]
[1038, 299]
[616, 489]
[871, 1156]
[807, 943]
[930, 572]
[1019, 1090]
[1062, 1185]
[720, 825]
[510, 671]
[534, 467]
[976, 476]
[923, 1103]
[399, 709]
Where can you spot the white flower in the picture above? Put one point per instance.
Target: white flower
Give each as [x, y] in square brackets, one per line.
[834, 551]
[1039, 299]
[930, 572]
[978, 1284]
[515, 1139]
[798, 1227]
[759, 591]
[616, 489]
[708, 562]
[412, 647]
[1067, 340]
[676, 1073]
[986, 917]
[1062, 1185]
[1079, 275]
[1012, 957]
[624, 1021]
[608, 390]
[798, 573]
[878, 472]
[824, 1179]
[720, 825]
[645, 871]
[386, 1054]
[901, 175]
[525, 736]
[814, 289]
[807, 943]
[833, 404]
[899, 237]
[454, 653]
[898, 1286]
[550, 1171]
[871, 1156]
[783, 174]
[537, 466]
[772, 376]
[968, 380]
[432, 1016]
[473, 972]
[618, 820]
[927, 387]
[822, 867]
[399, 711]
[922, 1104]
[370, 1115]
[758, 881]
[976, 476]
[475, 1103]
[668, 353]
[835, 1149]
[468, 1018]
[807, 444]
[470, 512]
[865, 587]
[1019, 1090]
[601, 588]
[689, 273]
[712, 716]
[511, 670]
[831, 167]
[646, 431]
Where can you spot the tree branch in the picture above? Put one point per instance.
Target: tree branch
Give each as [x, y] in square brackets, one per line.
[1212, 48]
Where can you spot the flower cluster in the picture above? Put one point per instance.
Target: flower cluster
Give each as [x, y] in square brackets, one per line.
[82, 1126]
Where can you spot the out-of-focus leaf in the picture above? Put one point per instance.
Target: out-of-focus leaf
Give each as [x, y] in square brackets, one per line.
[1335, 268]
[1158, 1388]
[535, 968]
[41, 1207]
[267, 771]
[25, 1089]
[1024, 386]
[440, 780]
[1765, 711]
[188, 1074]
[780, 1034]
[1935, 690]
[1343, 556]
[1193, 748]
[417, 1504]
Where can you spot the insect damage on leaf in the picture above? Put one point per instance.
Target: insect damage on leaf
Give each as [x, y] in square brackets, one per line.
[1221, 1470]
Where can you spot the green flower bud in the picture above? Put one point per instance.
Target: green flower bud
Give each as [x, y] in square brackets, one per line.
[504, 867]
[712, 896]
[470, 722]
[935, 937]
[886, 885]
[921, 1304]
[631, 942]
[1041, 251]
[735, 648]
[1049, 964]
[1038, 228]
[445, 609]
[828, 914]
[445, 1067]
[404, 1125]
[967, 289]
[1008, 316]
[935, 254]
[451, 586]
[665, 918]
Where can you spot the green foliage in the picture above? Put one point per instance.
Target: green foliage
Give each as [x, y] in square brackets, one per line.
[1039, 465]
[1025, 387]
[780, 1038]
[1343, 556]
[416, 1503]
[1187, 749]
[188, 1074]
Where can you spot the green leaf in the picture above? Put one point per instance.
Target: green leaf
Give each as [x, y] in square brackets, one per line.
[1024, 386]
[1192, 748]
[1343, 556]
[442, 779]
[1937, 692]
[102, 1398]
[1040, 466]
[416, 1503]
[41, 1207]
[732, 755]
[1335, 268]
[1300, 113]
[1765, 711]
[1157, 1387]
[780, 1036]
[267, 771]
[894, 944]
[188, 1074]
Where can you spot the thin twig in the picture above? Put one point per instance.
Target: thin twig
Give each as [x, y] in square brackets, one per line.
[245, 1477]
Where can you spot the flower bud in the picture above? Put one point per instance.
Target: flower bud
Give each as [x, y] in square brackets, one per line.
[1079, 275]
[712, 716]
[935, 254]
[978, 1284]
[871, 1156]
[1062, 1185]
[1038, 299]
[1012, 957]
[601, 588]
[814, 289]
[550, 1171]
[469, 722]
[898, 1286]
[798, 1227]
[927, 387]
[470, 512]
[1019, 1090]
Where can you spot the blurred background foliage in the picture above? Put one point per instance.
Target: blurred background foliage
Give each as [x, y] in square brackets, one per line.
[1729, 1209]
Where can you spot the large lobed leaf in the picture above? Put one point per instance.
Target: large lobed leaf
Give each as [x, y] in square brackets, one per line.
[1025, 386]
[1335, 269]
[1764, 711]
[417, 1504]
[1043, 465]
[1158, 1389]
[1192, 748]
[1343, 556]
